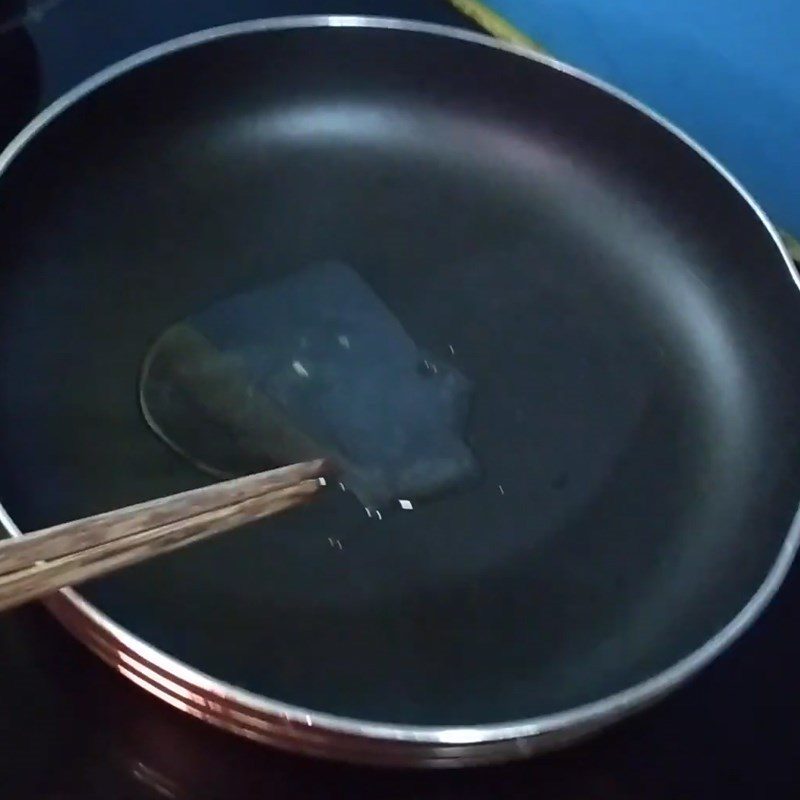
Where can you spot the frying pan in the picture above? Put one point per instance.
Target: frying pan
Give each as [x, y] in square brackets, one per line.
[626, 314]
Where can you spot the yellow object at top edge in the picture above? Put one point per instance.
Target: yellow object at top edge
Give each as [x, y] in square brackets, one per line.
[493, 23]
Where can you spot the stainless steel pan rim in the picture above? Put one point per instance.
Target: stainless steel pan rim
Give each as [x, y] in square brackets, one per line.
[304, 730]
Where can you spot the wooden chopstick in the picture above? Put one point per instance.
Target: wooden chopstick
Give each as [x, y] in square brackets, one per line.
[41, 562]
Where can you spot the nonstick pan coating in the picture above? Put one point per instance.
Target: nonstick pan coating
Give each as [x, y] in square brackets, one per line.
[625, 313]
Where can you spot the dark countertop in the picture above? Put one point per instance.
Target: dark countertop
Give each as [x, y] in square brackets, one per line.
[72, 729]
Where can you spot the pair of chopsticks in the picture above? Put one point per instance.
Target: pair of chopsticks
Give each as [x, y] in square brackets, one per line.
[39, 563]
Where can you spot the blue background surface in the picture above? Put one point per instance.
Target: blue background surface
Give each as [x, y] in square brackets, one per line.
[726, 71]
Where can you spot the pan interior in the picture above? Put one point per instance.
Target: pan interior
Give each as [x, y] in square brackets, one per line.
[625, 319]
